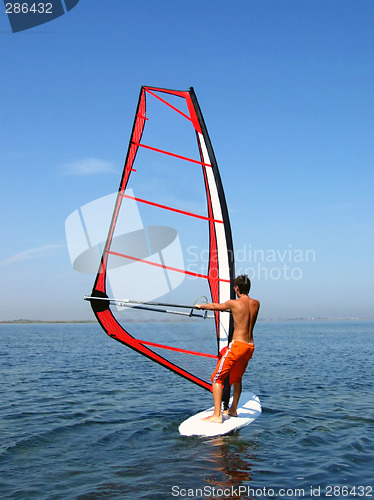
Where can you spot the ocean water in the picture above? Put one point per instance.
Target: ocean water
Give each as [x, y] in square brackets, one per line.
[83, 417]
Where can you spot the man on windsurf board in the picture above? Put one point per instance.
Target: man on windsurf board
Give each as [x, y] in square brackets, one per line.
[234, 358]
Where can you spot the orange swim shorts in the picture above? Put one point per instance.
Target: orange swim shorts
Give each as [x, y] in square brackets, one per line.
[234, 361]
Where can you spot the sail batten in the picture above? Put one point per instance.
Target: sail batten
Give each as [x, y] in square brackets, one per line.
[173, 209]
[172, 154]
[163, 266]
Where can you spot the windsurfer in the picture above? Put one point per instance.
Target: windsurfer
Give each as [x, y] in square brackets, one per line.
[233, 360]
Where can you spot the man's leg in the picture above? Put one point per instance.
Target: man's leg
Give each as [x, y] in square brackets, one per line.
[235, 399]
[236, 374]
[222, 371]
[226, 395]
[217, 390]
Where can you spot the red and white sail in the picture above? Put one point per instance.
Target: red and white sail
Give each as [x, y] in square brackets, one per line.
[169, 239]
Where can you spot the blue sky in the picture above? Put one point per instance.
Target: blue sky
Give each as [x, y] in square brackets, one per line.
[286, 89]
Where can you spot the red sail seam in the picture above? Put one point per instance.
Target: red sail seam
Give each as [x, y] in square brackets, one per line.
[171, 208]
[177, 349]
[156, 264]
[137, 132]
[179, 93]
[213, 250]
[194, 118]
[168, 104]
[171, 154]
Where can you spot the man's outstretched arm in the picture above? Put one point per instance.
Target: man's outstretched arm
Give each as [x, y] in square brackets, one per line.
[225, 306]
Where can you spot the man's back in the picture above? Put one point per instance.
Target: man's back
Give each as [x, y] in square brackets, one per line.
[244, 311]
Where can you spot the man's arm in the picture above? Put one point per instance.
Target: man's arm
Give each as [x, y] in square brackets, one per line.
[225, 306]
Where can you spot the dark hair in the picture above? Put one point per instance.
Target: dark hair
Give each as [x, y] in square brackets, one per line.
[244, 283]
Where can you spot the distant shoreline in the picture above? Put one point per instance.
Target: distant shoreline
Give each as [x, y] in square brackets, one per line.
[92, 321]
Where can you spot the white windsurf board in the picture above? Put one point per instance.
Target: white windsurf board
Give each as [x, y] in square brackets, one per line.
[247, 413]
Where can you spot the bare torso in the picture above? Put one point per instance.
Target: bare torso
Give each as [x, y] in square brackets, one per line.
[244, 312]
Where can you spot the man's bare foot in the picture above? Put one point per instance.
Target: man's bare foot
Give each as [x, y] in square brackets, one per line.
[232, 413]
[212, 418]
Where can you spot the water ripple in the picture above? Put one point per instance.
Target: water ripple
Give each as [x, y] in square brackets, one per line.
[86, 418]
